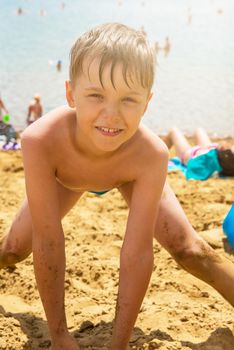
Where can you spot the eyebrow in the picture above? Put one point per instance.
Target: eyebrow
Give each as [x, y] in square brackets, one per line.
[103, 89]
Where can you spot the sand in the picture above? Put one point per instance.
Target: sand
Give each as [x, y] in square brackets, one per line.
[179, 311]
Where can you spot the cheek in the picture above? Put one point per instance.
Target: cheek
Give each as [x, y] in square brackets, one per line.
[84, 108]
[138, 112]
[134, 109]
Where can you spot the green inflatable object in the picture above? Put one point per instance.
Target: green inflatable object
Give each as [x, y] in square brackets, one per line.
[6, 118]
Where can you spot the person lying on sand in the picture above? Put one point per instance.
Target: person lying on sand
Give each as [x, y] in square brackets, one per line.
[204, 159]
[97, 143]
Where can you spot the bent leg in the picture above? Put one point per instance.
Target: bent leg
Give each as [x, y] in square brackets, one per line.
[176, 138]
[174, 232]
[201, 137]
[17, 244]
[177, 236]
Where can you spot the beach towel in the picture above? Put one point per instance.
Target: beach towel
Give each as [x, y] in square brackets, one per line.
[198, 168]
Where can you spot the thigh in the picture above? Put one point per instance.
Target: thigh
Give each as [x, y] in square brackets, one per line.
[173, 230]
[19, 237]
[180, 142]
[202, 137]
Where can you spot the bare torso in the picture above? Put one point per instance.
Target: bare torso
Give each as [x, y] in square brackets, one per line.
[81, 172]
[35, 112]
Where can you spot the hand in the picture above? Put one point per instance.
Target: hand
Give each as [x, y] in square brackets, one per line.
[66, 342]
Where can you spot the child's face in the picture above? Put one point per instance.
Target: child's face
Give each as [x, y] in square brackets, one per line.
[107, 116]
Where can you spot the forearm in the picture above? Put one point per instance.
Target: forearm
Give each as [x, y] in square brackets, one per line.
[135, 273]
[3, 107]
[49, 266]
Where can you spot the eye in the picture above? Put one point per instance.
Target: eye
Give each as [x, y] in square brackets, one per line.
[129, 100]
[95, 96]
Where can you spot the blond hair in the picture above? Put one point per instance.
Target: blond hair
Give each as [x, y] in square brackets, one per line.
[115, 43]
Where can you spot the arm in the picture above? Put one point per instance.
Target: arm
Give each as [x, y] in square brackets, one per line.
[48, 239]
[41, 110]
[3, 106]
[29, 113]
[136, 261]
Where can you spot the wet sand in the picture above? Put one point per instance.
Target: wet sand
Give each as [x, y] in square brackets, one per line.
[179, 312]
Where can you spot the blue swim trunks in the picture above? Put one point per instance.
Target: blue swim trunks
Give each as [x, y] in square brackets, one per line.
[99, 193]
[204, 166]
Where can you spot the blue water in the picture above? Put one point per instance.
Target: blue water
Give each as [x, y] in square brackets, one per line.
[195, 81]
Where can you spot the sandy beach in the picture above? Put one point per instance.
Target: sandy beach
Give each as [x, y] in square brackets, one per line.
[179, 312]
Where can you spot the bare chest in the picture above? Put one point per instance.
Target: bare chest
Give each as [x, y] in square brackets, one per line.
[80, 174]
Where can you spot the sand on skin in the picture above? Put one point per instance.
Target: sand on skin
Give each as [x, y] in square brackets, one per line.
[179, 312]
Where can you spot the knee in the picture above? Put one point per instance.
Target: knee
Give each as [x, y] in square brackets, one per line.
[8, 255]
[199, 130]
[174, 131]
[185, 256]
[9, 259]
[168, 138]
[196, 257]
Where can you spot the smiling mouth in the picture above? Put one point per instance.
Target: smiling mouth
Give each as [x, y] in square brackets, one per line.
[109, 131]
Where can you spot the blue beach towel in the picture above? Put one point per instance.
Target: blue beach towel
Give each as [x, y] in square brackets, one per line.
[175, 164]
[198, 168]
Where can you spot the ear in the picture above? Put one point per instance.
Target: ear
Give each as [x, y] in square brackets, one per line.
[147, 102]
[69, 94]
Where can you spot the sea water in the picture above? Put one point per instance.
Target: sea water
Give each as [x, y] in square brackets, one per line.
[195, 79]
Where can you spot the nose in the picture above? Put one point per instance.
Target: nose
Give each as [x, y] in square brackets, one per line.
[111, 112]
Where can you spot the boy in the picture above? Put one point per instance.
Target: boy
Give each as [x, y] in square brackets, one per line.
[99, 146]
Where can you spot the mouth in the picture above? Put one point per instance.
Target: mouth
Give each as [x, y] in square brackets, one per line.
[108, 131]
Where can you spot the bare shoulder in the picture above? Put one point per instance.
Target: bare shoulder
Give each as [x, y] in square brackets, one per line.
[48, 136]
[151, 147]
[148, 167]
[50, 127]
[146, 158]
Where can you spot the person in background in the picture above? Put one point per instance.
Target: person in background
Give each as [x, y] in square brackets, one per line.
[167, 46]
[205, 158]
[6, 129]
[59, 65]
[2, 108]
[156, 47]
[19, 11]
[34, 109]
